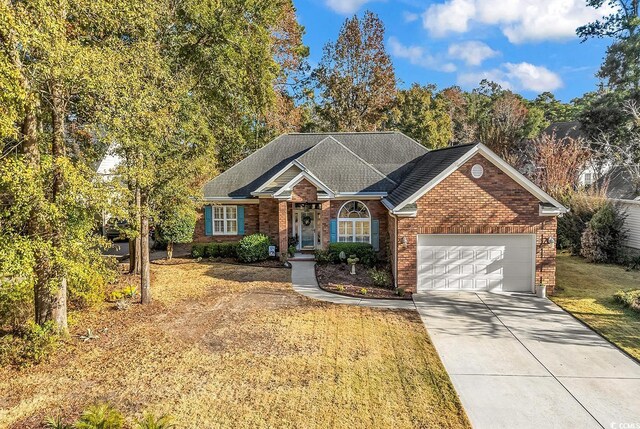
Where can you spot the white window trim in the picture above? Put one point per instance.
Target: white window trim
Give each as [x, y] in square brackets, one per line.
[224, 220]
[353, 221]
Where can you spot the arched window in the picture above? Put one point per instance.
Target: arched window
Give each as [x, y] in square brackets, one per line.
[354, 223]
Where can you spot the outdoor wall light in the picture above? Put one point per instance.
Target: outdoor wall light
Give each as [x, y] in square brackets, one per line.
[405, 241]
[551, 240]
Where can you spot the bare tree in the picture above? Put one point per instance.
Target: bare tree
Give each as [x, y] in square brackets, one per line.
[624, 153]
[557, 163]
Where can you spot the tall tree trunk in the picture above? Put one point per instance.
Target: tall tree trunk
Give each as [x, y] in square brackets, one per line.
[145, 274]
[134, 245]
[57, 292]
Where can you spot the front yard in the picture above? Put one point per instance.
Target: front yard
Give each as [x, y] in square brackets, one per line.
[586, 290]
[226, 346]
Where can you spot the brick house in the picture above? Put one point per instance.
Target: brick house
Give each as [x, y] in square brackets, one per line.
[453, 218]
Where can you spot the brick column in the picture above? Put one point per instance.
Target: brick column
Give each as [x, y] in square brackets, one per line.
[283, 227]
[324, 224]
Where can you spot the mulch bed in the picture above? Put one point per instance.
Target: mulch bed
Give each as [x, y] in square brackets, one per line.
[337, 278]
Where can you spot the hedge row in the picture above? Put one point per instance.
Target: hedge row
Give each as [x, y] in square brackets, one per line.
[363, 251]
[215, 250]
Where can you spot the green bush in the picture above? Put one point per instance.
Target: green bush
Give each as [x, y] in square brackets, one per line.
[323, 257]
[601, 241]
[363, 251]
[381, 278]
[31, 346]
[102, 416]
[629, 299]
[571, 226]
[214, 250]
[253, 248]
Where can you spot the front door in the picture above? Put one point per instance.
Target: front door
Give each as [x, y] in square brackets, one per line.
[304, 226]
[307, 230]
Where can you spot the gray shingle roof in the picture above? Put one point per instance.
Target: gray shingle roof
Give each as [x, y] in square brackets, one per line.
[345, 172]
[390, 153]
[619, 184]
[564, 130]
[425, 169]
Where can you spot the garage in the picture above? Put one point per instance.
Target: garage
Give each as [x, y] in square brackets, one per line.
[492, 262]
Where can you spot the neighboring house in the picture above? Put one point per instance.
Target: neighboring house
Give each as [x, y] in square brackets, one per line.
[454, 218]
[106, 170]
[621, 189]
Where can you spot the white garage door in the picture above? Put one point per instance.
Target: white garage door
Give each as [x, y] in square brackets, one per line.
[476, 262]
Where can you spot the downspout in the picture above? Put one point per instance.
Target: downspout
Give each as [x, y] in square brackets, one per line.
[395, 252]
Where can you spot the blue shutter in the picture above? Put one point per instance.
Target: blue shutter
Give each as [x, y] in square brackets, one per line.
[240, 220]
[375, 234]
[334, 230]
[208, 221]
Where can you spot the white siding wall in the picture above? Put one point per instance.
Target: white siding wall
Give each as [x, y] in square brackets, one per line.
[632, 222]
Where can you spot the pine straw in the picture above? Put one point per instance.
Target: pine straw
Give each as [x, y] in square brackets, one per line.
[225, 346]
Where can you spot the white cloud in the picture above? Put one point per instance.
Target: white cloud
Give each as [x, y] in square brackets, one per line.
[410, 16]
[519, 20]
[521, 76]
[417, 56]
[346, 6]
[472, 52]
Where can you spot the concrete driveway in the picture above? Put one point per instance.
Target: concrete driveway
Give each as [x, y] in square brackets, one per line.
[518, 361]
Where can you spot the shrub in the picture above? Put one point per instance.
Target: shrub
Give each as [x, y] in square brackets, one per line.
[381, 278]
[629, 299]
[323, 256]
[102, 416]
[363, 251]
[31, 346]
[149, 421]
[363, 291]
[400, 291]
[254, 247]
[176, 226]
[601, 241]
[571, 226]
[214, 250]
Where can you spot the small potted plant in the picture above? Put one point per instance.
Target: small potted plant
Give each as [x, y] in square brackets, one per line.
[541, 290]
[291, 250]
[353, 260]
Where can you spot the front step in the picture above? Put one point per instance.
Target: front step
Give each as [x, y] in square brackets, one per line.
[303, 257]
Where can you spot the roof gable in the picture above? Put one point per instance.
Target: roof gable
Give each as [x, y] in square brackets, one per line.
[342, 170]
[438, 165]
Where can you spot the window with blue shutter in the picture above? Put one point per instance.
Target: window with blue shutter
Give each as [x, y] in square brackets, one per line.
[240, 220]
[375, 234]
[334, 230]
[208, 221]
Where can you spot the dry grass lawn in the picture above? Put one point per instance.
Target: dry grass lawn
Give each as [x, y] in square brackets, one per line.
[226, 346]
[586, 290]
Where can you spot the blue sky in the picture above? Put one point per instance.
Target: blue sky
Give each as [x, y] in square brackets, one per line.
[528, 46]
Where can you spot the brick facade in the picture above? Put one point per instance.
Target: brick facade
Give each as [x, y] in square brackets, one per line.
[251, 226]
[492, 204]
[304, 192]
[268, 213]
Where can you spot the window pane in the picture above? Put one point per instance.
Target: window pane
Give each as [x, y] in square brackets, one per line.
[232, 227]
[218, 212]
[231, 212]
[218, 226]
